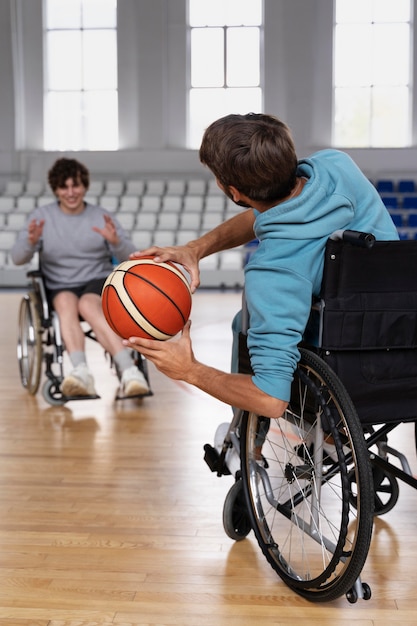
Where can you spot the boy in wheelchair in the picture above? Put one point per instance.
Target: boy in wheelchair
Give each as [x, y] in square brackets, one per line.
[77, 242]
[292, 207]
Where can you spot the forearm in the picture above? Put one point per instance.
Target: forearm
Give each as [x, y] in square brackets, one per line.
[22, 251]
[234, 389]
[234, 232]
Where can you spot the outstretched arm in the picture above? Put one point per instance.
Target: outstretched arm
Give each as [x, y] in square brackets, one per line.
[176, 360]
[231, 233]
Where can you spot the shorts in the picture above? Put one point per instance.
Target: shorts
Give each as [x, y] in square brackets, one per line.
[93, 286]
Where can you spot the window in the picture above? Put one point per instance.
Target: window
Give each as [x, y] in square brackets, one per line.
[372, 73]
[225, 53]
[80, 99]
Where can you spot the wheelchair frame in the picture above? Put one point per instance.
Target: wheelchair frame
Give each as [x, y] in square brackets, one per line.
[309, 484]
[40, 340]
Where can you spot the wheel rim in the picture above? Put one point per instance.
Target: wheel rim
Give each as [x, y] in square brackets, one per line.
[29, 344]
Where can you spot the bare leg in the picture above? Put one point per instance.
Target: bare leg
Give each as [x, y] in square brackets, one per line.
[80, 381]
[66, 305]
[91, 311]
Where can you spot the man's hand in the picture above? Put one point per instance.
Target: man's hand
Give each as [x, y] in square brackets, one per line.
[35, 230]
[175, 359]
[184, 255]
[109, 232]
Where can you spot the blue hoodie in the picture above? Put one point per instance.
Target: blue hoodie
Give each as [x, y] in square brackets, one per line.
[286, 270]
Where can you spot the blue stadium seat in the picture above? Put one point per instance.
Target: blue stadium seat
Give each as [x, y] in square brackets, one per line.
[410, 202]
[406, 186]
[385, 186]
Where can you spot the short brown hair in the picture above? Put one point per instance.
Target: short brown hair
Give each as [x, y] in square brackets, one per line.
[254, 153]
[65, 168]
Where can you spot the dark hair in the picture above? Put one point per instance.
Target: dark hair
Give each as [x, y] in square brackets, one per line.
[63, 169]
[254, 153]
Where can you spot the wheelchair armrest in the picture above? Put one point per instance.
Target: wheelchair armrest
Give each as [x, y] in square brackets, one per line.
[355, 237]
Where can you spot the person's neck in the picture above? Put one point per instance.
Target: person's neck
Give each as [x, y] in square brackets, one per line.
[296, 190]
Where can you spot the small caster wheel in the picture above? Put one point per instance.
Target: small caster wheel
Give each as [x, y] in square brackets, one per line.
[236, 521]
[366, 590]
[352, 596]
[52, 394]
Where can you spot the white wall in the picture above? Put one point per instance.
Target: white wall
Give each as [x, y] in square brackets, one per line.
[153, 79]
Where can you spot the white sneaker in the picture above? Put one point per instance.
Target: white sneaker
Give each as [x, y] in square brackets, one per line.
[79, 382]
[134, 382]
[232, 458]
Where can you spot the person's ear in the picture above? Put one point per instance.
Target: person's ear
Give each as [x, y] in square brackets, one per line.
[235, 193]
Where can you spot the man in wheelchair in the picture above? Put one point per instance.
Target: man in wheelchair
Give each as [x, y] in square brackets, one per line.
[77, 242]
[292, 207]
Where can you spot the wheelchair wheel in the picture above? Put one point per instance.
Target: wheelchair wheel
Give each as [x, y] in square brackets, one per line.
[386, 490]
[299, 502]
[236, 522]
[29, 343]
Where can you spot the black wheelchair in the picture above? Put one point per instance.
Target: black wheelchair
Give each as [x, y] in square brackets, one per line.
[310, 483]
[40, 342]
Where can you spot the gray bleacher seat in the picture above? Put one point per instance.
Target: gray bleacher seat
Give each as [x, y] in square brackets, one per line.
[211, 219]
[7, 239]
[91, 199]
[146, 221]
[16, 221]
[190, 221]
[168, 221]
[151, 203]
[6, 204]
[96, 188]
[45, 199]
[126, 220]
[25, 204]
[14, 188]
[142, 238]
[184, 236]
[114, 187]
[193, 203]
[164, 237]
[129, 204]
[109, 202]
[175, 188]
[155, 187]
[34, 188]
[134, 188]
[231, 260]
[215, 203]
[171, 203]
[196, 187]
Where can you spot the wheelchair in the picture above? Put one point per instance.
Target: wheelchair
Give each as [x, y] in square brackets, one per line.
[311, 482]
[40, 342]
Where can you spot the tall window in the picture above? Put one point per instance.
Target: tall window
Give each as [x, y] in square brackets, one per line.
[225, 52]
[372, 73]
[80, 103]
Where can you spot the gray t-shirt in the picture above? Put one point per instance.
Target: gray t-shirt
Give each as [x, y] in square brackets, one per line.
[72, 253]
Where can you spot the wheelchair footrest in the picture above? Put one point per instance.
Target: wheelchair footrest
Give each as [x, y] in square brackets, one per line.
[214, 461]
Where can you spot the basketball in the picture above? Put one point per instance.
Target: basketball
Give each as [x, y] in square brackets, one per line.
[141, 298]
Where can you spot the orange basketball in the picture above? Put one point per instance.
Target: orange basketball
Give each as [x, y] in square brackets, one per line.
[142, 298]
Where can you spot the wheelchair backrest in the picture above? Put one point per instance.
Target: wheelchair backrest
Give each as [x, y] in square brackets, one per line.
[368, 325]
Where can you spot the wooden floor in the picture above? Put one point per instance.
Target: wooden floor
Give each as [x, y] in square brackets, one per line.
[109, 515]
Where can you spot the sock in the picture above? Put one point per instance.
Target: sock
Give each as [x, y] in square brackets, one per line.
[77, 358]
[123, 360]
